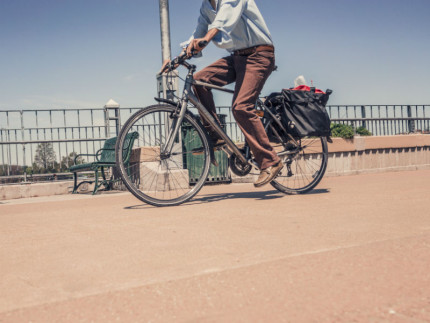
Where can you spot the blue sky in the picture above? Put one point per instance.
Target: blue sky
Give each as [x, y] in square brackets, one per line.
[81, 53]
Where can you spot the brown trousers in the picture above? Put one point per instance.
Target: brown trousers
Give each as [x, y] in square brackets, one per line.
[250, 73]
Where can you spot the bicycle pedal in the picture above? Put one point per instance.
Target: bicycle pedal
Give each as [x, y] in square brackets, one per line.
[197, 151]
[218, 148]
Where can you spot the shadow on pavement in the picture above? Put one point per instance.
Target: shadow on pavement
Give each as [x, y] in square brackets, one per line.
[318, 191]
[209, 198]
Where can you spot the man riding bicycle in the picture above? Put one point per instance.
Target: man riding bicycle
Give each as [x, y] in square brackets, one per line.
[238, 27]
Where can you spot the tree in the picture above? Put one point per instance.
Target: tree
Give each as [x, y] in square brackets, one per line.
[45, 156]
[68, 161]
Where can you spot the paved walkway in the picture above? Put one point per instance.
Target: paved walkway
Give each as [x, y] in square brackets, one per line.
[356, 250]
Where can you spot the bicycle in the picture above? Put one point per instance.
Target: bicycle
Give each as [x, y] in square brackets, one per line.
[169, 136]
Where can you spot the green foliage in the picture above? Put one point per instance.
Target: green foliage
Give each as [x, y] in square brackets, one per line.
[342, 130]
[347, 131]
[362, 131]
[68, 161]
[10, 170]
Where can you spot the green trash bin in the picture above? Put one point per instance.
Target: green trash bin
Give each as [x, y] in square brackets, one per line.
[194, 163]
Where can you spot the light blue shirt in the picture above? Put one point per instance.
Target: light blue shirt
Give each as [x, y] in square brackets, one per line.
[239, 22]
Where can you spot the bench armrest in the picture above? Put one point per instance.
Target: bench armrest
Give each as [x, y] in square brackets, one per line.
[76, 157]
[99, 152]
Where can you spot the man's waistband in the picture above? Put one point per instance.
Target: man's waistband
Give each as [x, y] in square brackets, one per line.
[255, 49]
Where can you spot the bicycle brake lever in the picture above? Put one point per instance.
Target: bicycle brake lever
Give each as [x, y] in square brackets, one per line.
[173, 64]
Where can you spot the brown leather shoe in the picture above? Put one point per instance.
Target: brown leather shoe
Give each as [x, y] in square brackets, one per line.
[268, 174]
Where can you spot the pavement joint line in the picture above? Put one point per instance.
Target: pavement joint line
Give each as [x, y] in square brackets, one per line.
[210, 271]
[313, 252]
[403, 316]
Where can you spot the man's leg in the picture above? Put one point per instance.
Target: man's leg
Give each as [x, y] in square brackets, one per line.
[251, 73]
[219, 73]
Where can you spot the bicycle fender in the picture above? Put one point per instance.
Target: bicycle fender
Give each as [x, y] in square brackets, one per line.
[170, 102]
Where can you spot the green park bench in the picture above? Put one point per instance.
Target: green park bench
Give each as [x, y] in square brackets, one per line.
[103, 158]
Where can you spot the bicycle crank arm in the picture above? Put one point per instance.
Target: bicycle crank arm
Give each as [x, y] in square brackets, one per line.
[288, 152]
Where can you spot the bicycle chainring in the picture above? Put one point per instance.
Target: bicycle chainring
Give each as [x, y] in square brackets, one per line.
[237, 167]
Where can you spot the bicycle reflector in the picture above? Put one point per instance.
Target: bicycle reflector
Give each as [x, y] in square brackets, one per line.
[259, 113]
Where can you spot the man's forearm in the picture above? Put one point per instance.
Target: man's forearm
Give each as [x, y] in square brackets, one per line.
[194, 46]
[210, 34]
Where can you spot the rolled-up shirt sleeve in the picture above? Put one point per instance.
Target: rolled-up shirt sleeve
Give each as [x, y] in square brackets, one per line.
[228, 15]
[200, 31]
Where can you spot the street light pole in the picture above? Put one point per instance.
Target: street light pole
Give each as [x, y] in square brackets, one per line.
[167, 84]
[165, 29]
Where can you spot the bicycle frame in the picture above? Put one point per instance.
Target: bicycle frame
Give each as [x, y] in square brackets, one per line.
[188, 96]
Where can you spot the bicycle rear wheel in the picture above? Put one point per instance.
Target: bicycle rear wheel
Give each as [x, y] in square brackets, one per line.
[157, 179]
[305, 165]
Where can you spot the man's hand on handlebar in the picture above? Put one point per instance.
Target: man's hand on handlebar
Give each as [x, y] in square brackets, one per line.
[164, 67]
[196, 46]
[172, 64]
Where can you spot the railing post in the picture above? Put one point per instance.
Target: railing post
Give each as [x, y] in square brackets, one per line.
[9, 154]
[363, 116]
[112, 105]
[22, 138]
[411, 123]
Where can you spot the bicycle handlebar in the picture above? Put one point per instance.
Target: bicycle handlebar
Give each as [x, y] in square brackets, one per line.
[179, 60]
[203, 43]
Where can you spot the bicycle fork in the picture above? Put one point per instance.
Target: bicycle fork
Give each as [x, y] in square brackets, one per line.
[174, 130]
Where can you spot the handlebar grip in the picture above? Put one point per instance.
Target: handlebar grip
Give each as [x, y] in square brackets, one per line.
[203, 43]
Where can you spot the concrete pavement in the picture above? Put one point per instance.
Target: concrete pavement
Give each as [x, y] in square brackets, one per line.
[355, 250]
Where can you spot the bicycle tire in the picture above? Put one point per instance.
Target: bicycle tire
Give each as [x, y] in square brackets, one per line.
[163, 180]
[304, 169]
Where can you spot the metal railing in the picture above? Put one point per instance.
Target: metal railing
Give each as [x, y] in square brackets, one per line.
[66, 131]
[383, 120]
[83, 131]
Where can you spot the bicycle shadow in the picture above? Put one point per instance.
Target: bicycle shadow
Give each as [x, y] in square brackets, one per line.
[211, 198]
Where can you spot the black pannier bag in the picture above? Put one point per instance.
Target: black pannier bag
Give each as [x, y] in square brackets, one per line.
[274, 102]
[304, 113]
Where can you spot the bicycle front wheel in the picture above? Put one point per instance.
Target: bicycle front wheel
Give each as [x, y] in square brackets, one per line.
[304, 165]
[157, 178]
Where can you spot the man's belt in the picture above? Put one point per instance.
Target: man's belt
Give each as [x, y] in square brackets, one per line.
[252, 50]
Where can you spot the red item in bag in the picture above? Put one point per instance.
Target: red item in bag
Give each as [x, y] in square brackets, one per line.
[306, 88]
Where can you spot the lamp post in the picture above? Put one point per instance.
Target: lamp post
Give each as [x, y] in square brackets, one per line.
[167, 84]
[165, 29]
